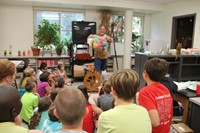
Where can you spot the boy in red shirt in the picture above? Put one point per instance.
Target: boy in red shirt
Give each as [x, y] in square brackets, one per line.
[155, 97]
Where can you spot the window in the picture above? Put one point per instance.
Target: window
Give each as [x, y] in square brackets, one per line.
[137, 28]
[118, 30]
[62, 18]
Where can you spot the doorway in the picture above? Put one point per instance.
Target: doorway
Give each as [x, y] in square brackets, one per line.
[183, 31]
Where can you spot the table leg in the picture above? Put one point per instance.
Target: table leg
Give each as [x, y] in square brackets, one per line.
[185, 102]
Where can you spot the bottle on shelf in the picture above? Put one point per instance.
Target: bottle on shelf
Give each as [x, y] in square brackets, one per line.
[5, 52]
[29, 53]
[10, 52]
[19, 53]
[24, 53]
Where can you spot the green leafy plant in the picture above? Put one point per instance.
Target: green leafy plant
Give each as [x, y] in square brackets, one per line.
[62, 45]
[47, 33]
[137, 43]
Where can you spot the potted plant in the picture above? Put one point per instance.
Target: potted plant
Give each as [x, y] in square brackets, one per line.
[68, 44]
[59, 44]
[35, 50]
[62, 45]
[47, 34]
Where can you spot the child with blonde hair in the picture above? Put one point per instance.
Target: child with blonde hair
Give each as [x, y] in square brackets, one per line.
[28, 72]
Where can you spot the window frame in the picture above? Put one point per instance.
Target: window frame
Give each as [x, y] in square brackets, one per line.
[134, 15]
[53, 10]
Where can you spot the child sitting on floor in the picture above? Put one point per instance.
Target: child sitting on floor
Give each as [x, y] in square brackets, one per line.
[52, 124]
[40, 113]
[61, 83]
[100, 92]
[63, 74]
[44, 88]
[29, 101]
[43, 68]
[105, 101]
[88, 121]
[54, 93]
[70, 110]
[28, 72]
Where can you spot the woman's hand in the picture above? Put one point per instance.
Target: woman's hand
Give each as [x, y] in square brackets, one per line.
[109, 39]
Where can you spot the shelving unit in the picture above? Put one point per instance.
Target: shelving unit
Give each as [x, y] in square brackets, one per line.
[190, 68]
[35, 61]
[183, 68]
[109, 64]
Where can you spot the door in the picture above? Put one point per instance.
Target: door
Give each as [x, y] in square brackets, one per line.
[183, 31]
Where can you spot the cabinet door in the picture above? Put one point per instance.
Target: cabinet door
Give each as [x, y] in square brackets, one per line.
[194, 116]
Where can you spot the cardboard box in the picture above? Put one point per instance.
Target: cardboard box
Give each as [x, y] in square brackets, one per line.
[180, 128]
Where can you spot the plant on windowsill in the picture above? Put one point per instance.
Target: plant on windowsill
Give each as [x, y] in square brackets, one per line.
[62, 45]
[47, 34]
[35, 50]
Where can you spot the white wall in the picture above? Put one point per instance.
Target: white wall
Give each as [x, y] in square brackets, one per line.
[147, 25]
[16, 28]
[161, 24]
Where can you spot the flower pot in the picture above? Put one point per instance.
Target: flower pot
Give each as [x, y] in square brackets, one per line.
[59, 51]
[36, 51]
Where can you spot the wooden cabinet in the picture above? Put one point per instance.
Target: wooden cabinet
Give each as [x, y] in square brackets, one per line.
[181, 68]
